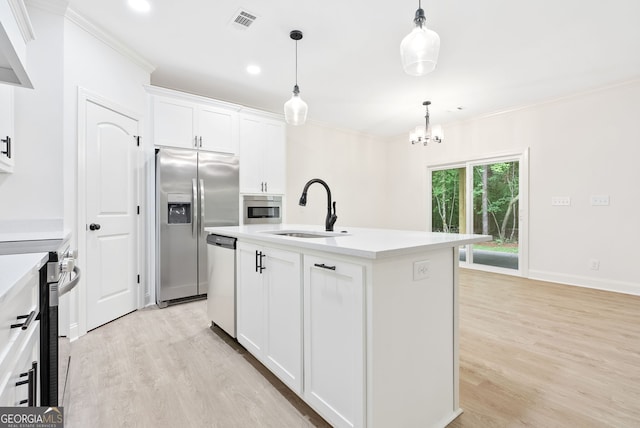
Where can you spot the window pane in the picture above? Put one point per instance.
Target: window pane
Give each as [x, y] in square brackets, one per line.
[448, 201]
[495, 212]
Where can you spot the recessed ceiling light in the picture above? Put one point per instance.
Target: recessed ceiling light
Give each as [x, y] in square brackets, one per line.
[253, 69]
[140, 5]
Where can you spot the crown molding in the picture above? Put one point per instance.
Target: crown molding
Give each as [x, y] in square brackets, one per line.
[19, 11]
[108, 39]
[59, 7]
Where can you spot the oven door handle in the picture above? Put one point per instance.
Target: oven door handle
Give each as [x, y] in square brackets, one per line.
[71, 285]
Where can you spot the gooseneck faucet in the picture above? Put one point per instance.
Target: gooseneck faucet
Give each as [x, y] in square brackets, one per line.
[331, 216]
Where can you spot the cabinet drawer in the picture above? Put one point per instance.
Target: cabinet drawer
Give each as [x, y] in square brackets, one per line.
[20, 301]
[14, 379]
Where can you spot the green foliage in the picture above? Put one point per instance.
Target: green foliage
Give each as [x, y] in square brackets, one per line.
[495, 200]
[445, 200]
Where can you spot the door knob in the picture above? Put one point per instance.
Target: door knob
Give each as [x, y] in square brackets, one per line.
[94, 226]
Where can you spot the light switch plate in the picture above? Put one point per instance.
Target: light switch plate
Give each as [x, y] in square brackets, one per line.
[421, 270]
[599, 200]
[561, 201]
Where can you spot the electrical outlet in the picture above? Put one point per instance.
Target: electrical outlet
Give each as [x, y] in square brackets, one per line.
[599, 200]
[420, 270]
[561, 201]
[594, 264]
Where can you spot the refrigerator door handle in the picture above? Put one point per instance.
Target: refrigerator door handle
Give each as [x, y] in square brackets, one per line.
[194, 211]
[202, 217]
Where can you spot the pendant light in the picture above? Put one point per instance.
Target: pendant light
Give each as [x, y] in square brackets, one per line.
[419, 49]
[295, 110]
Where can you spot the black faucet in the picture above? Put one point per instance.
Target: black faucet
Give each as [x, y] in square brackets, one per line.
[331, 216]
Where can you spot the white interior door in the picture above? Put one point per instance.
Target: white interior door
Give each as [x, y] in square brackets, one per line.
[111, 274]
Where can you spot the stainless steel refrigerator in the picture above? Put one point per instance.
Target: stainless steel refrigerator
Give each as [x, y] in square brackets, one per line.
[194, 190]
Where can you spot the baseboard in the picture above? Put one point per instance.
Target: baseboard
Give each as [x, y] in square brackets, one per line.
[74, 331]
[586, 282]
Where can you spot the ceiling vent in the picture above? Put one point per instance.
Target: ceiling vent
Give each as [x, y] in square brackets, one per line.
[243, 19]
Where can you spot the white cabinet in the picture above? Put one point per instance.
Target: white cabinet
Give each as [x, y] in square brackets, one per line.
[262, 154]
[269, 309]
[379, 344]
[15, 32]
[19, 338]
[334, 340]
[6, 128]
[204, 125]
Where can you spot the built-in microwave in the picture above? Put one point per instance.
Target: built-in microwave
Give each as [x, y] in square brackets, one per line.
[260, 209]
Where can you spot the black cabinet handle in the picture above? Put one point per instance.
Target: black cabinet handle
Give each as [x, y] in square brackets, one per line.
[261, 265]
[259, 257]
[323, 266]
[27, 318]
[8, 150]
[32, 376]
[94, 226]
[33, 386]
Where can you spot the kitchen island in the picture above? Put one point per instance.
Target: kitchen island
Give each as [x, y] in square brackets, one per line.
[360, 323]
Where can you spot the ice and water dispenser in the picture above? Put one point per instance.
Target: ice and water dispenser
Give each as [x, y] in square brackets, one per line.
[179, 208]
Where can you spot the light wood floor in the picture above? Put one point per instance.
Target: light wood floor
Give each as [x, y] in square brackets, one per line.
[531, 354]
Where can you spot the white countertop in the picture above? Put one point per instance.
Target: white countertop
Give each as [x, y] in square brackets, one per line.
[15, 268]
[31, 236]
[357, 242]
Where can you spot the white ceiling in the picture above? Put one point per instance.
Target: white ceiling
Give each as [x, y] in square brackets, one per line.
[494, 54]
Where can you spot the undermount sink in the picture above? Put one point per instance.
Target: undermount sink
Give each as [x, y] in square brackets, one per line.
[305, 233]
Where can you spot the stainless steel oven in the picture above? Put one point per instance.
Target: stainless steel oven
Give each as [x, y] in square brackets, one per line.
[262, 209]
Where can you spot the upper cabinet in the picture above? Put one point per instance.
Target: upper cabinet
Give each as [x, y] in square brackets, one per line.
[15, 32]
[190, 122]
[193, 122]
[6, 128]
[262, 153]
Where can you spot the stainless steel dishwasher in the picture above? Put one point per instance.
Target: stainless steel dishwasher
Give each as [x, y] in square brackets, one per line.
[221, 296]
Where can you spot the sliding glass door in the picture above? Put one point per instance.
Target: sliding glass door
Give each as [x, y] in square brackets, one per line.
[482, 197]
[495, 212]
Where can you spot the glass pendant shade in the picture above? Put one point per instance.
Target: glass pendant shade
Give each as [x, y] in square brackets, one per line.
[295, 110]
[419, 50]
[437, 134]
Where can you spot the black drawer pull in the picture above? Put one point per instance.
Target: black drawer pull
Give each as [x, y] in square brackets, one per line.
[32, 382]
[25, 325]
[323, 266]
[7, 151]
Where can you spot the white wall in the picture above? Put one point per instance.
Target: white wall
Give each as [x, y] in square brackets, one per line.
[352, 164]
[34, 190]
[584, 145]
[91, 64]
[63, 58]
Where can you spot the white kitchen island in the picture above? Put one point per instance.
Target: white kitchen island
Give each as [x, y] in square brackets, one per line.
[361, 323]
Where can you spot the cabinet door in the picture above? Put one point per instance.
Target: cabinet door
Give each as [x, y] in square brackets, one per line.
[334, 340]
[274, 156]
[251, 155]
[250, 303]
[218, 129]
[174, 123]
[15, 380]
[6, 128]
[283, 316]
